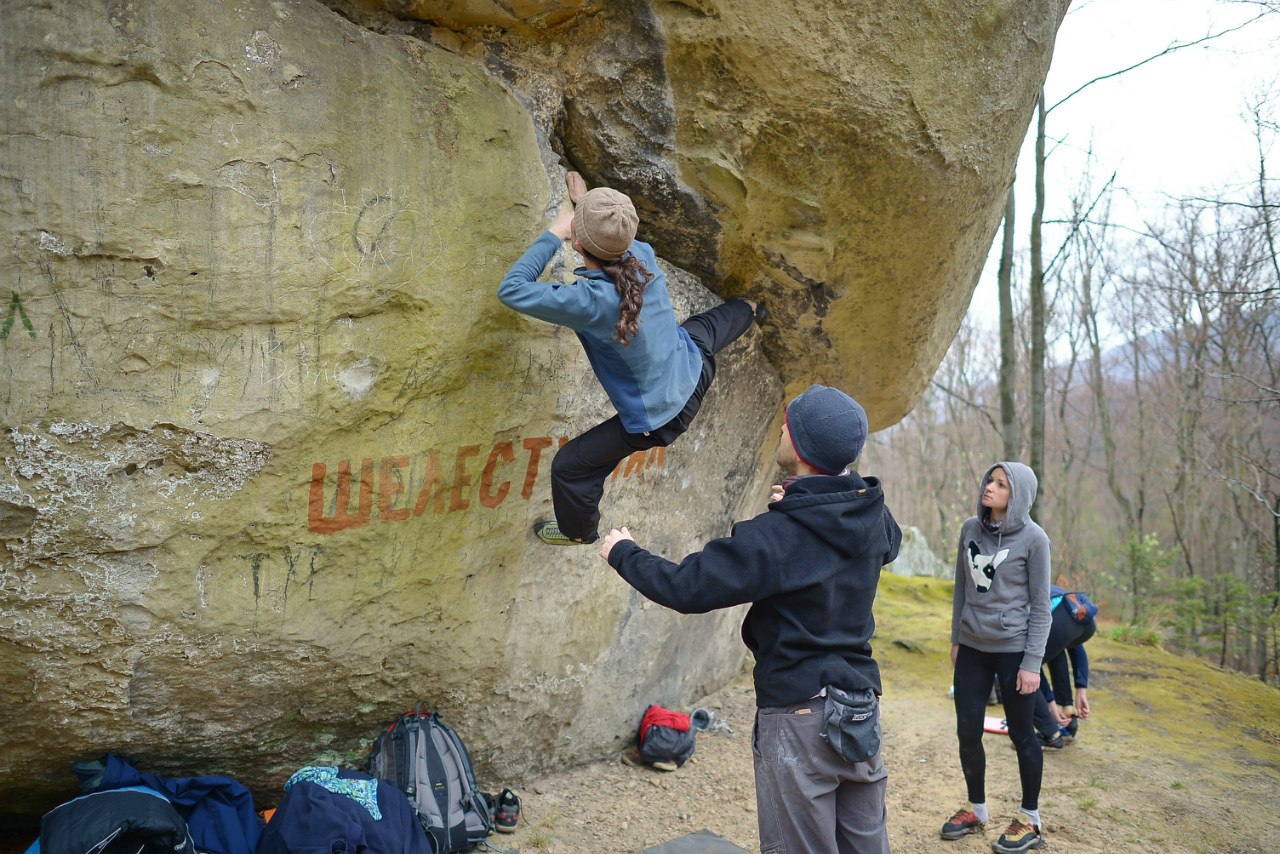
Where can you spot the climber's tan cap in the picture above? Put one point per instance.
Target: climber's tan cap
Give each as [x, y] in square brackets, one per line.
[605, 222]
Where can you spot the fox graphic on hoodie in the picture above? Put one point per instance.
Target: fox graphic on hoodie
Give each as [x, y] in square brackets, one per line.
[1001, 601]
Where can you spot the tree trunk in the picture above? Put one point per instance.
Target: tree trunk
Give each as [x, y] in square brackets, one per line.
[1036, 409]
[1009, 433]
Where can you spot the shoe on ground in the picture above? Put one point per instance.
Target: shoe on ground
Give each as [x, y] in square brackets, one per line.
[549, 533]
[508, 812]
[664, 765]
[1018, 836]
[962, 823]
[1057, 742]
[631, 757]
[1073, 727]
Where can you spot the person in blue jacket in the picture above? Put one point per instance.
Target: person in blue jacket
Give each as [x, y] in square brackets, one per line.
[655, 371]
[1056, 710]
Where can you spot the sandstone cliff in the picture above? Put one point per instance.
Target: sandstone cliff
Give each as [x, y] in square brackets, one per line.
[272, 446]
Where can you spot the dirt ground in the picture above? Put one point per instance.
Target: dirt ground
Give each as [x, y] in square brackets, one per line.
[1178, 757]
[1116, 788]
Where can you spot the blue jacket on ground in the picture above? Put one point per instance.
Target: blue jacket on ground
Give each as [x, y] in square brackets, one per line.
[649, 380]
[313, 820]
[218, 810]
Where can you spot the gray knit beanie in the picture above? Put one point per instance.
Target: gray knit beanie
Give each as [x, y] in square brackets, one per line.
[605, 222]
[828, 428]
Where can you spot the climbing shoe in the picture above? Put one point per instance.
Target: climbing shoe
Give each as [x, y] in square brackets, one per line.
[1073, 727]
[664, 765]
[507, 815]
[1018, 836]
[1057, 742]
[549, 533]
[960, 824]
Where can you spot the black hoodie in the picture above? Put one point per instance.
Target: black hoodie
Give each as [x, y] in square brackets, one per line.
[810, 566]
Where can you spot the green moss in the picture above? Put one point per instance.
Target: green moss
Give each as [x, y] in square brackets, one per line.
[989, 20]
[1200, 715]
[1137, 635]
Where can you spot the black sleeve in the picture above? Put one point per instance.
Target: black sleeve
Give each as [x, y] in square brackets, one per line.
[894, 533]
[729, 571]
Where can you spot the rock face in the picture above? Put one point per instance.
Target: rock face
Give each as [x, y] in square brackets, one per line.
[846, 163]
[916, 558]
[272, 446]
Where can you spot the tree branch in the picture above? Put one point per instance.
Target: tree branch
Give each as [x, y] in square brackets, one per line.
[971, 404]
[1076, 222]
[1173, 48]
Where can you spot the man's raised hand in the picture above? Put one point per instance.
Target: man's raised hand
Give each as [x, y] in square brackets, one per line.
[612, 538]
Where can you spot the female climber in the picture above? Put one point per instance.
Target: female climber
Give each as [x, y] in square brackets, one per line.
[655, 371]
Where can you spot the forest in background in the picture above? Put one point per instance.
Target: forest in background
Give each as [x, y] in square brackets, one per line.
[1138, 371]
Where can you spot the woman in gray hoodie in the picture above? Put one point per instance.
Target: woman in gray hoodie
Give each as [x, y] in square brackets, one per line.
[999, 625]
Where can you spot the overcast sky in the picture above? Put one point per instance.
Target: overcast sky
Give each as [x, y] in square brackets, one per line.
[1173, 127]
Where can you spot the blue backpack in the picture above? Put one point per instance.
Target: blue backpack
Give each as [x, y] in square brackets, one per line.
[1079, 606]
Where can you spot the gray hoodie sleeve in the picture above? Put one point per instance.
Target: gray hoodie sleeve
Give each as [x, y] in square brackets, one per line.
[1039, 619]
[962, 581]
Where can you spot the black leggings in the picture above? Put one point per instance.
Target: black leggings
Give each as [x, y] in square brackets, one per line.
[581, 467]
[974, 672]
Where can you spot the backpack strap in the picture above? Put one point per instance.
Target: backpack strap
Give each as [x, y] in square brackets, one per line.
[439, 779]
[411, 727]
[471, 797]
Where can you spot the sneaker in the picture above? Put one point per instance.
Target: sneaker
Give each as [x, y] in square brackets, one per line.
[549, 533]
[664, 765]
[1072, 727]
[960, 824]
[1057, 742]
[1018, 836]
[508, 813]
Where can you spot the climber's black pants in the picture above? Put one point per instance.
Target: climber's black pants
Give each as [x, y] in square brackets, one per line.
[581, 467]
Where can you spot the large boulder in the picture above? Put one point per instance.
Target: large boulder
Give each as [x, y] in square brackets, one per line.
[915, 557]
[272, 447]
[846, 163]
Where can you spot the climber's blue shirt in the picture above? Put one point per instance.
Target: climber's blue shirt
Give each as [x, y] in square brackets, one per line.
[650, 380]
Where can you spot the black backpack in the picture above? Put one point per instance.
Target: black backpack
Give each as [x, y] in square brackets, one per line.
[423, 757]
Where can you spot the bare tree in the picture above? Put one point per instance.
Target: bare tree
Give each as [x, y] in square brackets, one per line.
[1009, 432]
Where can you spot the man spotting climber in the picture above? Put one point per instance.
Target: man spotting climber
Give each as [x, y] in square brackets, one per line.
[809, 565]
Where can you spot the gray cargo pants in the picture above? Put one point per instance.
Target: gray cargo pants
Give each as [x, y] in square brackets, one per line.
[809, 799]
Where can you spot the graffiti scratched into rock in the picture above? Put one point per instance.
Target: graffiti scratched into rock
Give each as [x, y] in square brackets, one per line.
[373, 225]
[403, 487]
